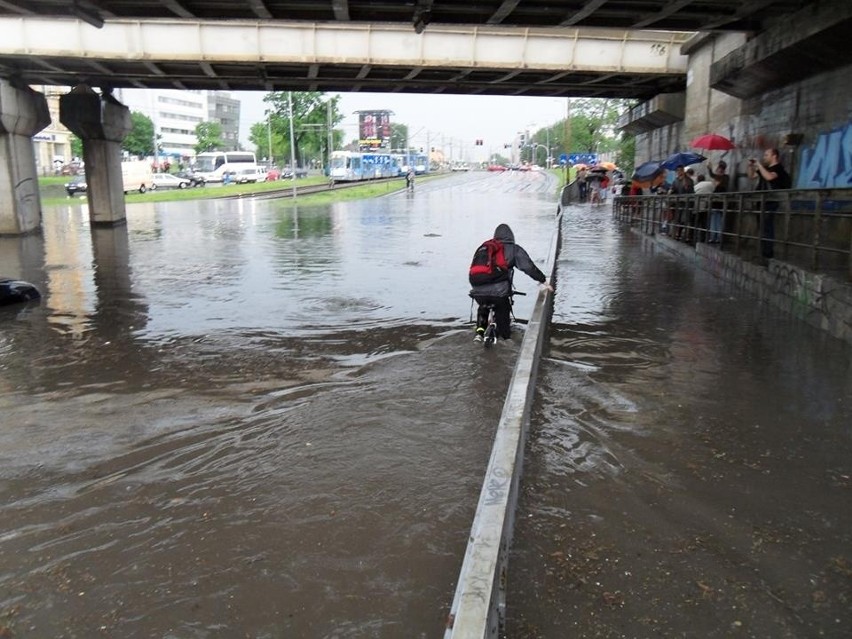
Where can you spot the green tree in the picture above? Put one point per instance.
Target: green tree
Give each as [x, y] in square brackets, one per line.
[208, 136]
[140, 140]
[76, 146]
[311, 111]
[590, 128]
[399, 136]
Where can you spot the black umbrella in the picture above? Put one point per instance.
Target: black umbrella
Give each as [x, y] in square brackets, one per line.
[647, 171]
[681, 159]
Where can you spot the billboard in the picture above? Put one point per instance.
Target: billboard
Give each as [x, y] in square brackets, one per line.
[374, 129]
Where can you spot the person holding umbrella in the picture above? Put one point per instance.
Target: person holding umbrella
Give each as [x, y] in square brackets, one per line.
[682, 185]
[722, 181]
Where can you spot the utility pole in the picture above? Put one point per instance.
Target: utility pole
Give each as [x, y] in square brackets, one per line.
[269, 162]
[292, 144]
[330, 133]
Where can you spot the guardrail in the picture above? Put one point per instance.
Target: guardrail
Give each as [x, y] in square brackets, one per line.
[479, 605]
[811, 228]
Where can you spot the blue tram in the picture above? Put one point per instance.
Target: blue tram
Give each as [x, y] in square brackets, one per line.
[352, 166]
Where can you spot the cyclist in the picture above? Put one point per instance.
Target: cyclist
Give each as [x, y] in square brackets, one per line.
[499, 294]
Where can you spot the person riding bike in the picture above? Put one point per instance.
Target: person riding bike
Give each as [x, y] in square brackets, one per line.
[499, 293]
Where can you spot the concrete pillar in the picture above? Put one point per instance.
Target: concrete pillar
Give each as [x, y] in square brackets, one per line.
[23, 113]
[101, 122]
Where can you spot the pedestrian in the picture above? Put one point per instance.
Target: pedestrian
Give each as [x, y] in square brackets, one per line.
[703, 186]
[682, 185]
[582, 184]
[722, 182]
[771, 176]
[499, 293]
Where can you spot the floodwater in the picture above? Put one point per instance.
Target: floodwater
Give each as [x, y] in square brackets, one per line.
[240, 419]
[689, 459]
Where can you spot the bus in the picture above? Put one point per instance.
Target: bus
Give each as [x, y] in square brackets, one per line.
[213, 164]
[350, 166]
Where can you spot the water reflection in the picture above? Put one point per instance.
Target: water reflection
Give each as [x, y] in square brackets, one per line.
[215, 426]
[689, 458]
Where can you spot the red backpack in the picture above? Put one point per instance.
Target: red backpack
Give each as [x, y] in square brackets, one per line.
[489, 264]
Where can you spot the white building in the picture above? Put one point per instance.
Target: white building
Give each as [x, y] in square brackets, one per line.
[52, 145]
[175, 115]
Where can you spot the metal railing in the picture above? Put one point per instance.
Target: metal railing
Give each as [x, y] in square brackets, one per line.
[811, 228]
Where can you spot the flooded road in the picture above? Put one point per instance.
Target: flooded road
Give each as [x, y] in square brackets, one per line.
[689, 460]
[240, 419]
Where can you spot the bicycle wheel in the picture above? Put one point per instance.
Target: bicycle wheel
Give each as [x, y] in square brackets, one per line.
[490, 335]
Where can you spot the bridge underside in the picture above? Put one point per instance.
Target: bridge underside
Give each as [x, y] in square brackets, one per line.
[335, 78]
[679, 15]
[256, 55]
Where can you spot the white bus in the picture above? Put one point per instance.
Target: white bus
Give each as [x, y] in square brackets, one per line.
[213, 164]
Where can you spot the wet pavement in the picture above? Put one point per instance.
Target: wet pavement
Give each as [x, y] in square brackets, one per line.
[688, 467]
[241, 419]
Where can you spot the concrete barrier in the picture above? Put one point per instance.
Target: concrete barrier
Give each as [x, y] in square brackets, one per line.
[478, 608]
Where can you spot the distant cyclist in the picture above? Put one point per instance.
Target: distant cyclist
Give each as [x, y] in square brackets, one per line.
[499, 293]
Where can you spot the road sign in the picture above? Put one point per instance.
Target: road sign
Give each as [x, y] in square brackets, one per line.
[563, 159]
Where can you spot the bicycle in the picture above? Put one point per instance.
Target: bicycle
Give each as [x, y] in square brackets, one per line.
[489, 335]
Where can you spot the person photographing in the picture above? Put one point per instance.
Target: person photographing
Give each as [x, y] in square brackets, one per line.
[771, 176]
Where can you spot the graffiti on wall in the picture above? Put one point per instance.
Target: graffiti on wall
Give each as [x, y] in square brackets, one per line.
[828, 163]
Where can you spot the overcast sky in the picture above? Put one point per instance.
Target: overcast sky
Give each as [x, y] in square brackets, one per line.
[459, 119]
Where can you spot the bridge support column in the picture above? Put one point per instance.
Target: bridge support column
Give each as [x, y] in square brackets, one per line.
[23, 113]
[101, 122]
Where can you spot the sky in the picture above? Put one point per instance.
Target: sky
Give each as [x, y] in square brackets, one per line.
[435, 120]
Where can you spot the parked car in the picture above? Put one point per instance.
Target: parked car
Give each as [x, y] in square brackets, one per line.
[246, 175]
[195, 179]
[76, 186]
[287, 173]
[168, 181]
[273, 174]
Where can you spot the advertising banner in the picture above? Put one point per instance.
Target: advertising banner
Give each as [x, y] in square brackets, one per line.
[374, 129]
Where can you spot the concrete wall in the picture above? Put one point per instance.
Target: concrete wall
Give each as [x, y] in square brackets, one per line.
[820, 300]
[818, 110]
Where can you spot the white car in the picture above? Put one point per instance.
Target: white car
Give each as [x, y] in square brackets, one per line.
[168, 181]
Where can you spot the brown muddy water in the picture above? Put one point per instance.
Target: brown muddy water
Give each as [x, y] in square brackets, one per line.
[237, 419]
[688, 466]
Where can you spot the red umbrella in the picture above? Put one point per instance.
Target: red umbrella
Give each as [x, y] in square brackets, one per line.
[712, 142]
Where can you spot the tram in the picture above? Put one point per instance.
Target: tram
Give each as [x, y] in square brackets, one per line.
[352, 166]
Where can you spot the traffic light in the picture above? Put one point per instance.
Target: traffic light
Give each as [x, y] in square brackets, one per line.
[478, 142]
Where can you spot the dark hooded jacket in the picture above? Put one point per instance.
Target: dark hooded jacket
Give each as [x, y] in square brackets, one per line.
[516, 256]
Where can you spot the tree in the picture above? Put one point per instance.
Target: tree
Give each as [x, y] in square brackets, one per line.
[399, 136]
[590, 128]
[310, 126]
[76, 146]
[208, 136]
[140, 140]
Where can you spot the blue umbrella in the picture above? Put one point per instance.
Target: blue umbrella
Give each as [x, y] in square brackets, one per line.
[681, 159]
[647, 171]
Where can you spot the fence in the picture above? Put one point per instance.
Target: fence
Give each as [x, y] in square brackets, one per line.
[810, 228]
